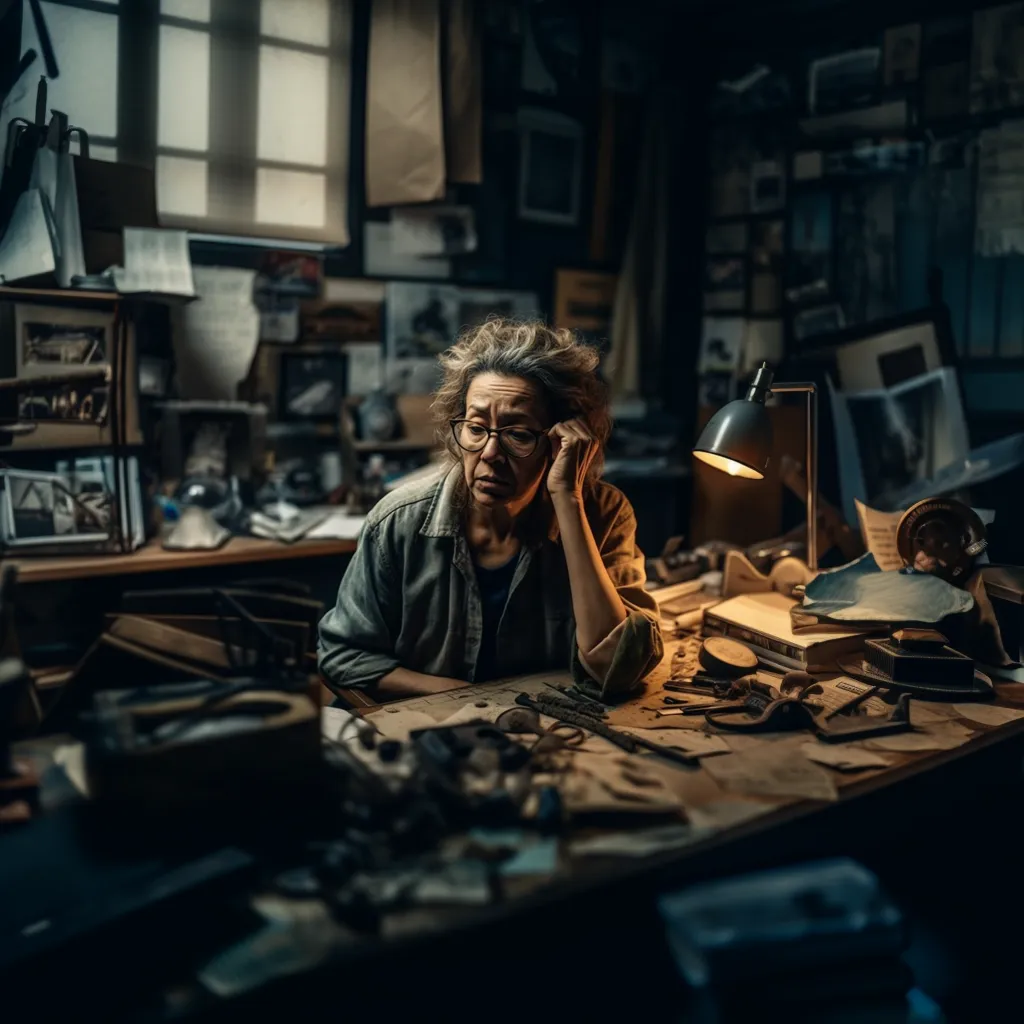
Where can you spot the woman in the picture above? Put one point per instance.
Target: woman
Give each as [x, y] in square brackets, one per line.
[519, 558]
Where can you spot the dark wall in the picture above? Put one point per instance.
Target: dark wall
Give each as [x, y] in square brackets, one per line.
[928, 211]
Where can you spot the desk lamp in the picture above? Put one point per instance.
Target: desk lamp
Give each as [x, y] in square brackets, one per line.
[738, 441]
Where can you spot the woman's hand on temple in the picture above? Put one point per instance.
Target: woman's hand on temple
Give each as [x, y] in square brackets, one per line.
[574, 450]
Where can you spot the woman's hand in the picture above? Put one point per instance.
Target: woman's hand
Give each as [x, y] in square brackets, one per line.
[574, 449]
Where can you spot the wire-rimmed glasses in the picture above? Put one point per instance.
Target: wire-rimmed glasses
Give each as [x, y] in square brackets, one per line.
[515, 441]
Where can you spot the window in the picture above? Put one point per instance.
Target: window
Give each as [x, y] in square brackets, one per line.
[249, 126]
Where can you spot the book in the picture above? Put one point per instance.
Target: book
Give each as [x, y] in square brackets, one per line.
[762, 621]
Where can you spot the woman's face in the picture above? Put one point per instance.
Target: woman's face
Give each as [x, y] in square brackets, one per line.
[492, 475]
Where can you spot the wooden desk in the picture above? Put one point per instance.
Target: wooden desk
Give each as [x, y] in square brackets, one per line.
[699, 793]
[153, 558]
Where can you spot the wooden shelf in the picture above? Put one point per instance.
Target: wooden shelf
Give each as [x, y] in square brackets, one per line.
[153, 558]
[84, 296]
[391, 446]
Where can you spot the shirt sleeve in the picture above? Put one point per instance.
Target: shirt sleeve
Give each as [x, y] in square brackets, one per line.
[356, 645]
[616, 666]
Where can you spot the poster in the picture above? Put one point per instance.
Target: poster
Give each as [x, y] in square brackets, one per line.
[997, 58]
[999, 212]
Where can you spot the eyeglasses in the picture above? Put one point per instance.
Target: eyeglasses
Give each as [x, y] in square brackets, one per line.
[517, 442]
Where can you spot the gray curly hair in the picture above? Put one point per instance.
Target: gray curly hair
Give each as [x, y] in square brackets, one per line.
[563, 366]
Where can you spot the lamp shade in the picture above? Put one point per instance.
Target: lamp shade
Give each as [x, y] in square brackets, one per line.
[737, 439]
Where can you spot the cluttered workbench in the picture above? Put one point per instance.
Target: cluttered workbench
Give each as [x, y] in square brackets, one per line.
[492, 806]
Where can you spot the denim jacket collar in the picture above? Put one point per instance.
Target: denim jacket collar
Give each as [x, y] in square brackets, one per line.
[444, 518]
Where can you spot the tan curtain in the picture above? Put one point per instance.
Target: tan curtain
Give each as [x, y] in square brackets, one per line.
[405, 158]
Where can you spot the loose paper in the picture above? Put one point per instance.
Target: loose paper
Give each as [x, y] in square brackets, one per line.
[156, 261]
[217, 336]
[337, 526]
[837, 693]
[946, 736]
[395, 723]
[627, 778]
[879, 532]
[781, 772]
[698, 744]
[988, 714]
[842, 756]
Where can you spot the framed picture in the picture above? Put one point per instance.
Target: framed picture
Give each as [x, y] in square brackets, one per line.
[312, 384]
[50, 340]
[550, 165]
[74, 508]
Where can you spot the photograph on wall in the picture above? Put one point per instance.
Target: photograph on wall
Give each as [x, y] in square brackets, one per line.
[997, 58]
[732, 154]
[425, 319]
[809, 323]
[725, 274]
[726, 239]
[550, 167]
[290, 274]
[765, 292]
[866, 250]
[767, 186]
[433, 230]
[767, 243]
[902, 61]
[809, 261]
[312, 384]
[843, 80]
[945, 58]
[721, 345]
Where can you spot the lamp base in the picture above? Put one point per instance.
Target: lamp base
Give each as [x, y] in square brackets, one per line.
[740, 576]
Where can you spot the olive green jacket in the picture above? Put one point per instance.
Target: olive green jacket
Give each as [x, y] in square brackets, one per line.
[409, 598]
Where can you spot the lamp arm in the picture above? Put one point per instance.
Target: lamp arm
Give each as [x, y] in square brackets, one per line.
[810, 389]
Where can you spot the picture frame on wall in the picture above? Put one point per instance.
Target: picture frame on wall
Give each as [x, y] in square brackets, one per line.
[550, 167]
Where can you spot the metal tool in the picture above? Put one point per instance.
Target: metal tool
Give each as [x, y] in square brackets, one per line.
[623, 740]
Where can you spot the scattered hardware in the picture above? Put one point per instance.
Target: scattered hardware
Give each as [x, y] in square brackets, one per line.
[626, 741]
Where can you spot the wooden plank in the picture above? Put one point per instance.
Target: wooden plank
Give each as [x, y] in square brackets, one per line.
[153, 558]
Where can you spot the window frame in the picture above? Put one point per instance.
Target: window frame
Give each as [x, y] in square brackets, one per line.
[231, 156]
